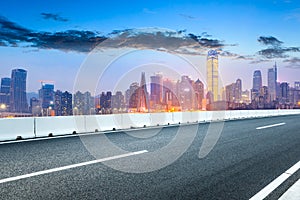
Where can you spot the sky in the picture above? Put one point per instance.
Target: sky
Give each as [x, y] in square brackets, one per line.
[59, 40]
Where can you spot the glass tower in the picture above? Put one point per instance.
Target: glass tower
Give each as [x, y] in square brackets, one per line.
[18, 99]
[212, 65]
[272, 82]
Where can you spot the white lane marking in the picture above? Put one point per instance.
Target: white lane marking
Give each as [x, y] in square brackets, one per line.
[270, 126]
[293, 193]
[70, 166]
[274, 184]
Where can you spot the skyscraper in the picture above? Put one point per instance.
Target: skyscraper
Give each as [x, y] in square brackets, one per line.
[156, 88]
[257, 84]
[272, 82]
[143, 100]
[238, 91]
[212, 65]
[297, 85]
[18, 99]
[46, 96]
[5, 91]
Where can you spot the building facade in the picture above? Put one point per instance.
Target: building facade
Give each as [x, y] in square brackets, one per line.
[212, 65]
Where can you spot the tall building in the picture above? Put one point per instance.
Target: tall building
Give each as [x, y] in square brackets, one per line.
[18, 98]
[46, 97]
[257, 84]
[169, 96]
[238, 91]
[62, 104]
[297, 85]
[212, 65]
[156, 88]
[199, 94]
[272, 82]
[284, 90]
[83, 103]
[131, 96]
[143, 99]
[5, 91]
[186, 93]
[66, 104]
[118, 102]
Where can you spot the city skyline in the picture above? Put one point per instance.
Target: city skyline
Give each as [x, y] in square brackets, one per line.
[51, 40]
[165, 94]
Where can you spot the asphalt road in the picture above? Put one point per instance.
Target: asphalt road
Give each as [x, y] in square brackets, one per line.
[243, 161]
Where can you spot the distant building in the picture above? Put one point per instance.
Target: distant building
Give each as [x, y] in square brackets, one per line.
[118, 102]
[18, 98]
[62, 104]
[199, 94]
[212, 65]
[46, 97]
[35, 107]
[143, 104]
[257, 84]
[272, 83]
[156, 88]
[297, 85]
[5, 92]
[238, 91]
[186, 93]
[83, 103]
[283, 93]
[131, 96]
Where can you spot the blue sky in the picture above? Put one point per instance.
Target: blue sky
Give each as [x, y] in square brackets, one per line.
[236, 25]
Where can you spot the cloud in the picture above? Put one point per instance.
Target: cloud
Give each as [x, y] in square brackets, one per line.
[55, 17]
[278, 52]
[14, 35]
[270, 40]
[293, 63]
[275, 48]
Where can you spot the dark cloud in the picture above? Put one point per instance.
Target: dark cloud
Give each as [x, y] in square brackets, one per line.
[278, 52]
[14, 35]
[275, 48]
[55, 17]
[293, 63]
[270, 40]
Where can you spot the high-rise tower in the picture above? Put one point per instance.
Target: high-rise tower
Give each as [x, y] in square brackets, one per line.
[5, 91]
[257, 84]
[272, 82]
[18, 99]
[143, 101]
[156, 88]
[212, 65]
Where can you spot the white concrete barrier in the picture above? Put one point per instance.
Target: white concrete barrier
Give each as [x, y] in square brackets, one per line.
[42, 126]
[10, 129]
[161, 118]
[59, 125]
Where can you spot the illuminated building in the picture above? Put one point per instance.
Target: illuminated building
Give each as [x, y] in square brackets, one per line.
[257, 84]
[213, 74]
[199, 94]
[5, 91]
[238, 91]
[272, 82]
[46, 97]
[18, 98]
[131, 96]
[143, 99]
[156, 88]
